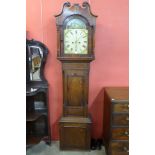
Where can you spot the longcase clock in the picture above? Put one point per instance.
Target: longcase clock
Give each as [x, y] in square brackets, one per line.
[75, 43]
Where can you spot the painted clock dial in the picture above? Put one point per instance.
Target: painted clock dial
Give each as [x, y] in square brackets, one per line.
[76, 37]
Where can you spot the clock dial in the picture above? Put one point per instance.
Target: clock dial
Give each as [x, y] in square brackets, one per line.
[75, 41]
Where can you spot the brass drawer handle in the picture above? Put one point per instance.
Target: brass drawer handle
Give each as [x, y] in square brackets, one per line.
[126, 133]
[127, 118]
[125, 149]
[74, 74]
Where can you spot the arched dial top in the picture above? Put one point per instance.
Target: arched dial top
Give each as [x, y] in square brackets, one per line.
[76, 24]
[75, 37]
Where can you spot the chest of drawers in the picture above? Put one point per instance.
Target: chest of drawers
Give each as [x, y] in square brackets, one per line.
[116, 120]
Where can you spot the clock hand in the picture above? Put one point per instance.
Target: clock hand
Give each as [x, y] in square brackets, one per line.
[76, 42]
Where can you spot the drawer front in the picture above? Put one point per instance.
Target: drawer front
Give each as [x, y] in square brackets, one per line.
[120, 107]
[120, 119]
[120, 133]
[119, 148]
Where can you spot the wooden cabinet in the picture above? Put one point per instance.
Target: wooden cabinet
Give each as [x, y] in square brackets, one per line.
[37, 119]
[116, 120]
[37, 126]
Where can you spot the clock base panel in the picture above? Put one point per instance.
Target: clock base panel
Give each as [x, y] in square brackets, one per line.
[75, 133]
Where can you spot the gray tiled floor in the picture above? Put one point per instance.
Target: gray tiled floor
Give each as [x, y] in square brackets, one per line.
[42, 149]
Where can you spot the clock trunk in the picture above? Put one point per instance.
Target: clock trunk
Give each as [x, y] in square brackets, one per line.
[75, 84]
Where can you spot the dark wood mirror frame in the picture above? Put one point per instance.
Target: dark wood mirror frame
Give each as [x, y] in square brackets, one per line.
[32, 43]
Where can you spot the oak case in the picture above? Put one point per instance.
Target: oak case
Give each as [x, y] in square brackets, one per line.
[75, 53]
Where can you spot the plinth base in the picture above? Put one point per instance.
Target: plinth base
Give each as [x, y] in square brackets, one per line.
[75, 133]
